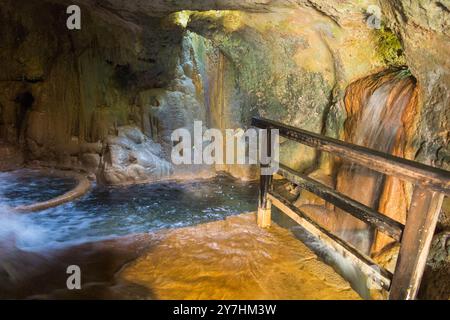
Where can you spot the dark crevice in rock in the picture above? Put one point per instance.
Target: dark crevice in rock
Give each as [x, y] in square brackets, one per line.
[442, 6]
[24, 80]
[24, 101]
[333, 18]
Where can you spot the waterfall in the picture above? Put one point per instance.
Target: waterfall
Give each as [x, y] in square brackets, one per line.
[377, 107]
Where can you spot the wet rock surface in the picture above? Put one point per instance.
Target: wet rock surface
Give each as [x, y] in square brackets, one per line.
[11, 157]
[436, 281]
[234, 259]
[185, 263]
[131, 157]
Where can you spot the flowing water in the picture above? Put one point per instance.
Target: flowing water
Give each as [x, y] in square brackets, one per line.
[28, 186]
[108, 212]
[35, 246]
[377, 106]
[191, 234]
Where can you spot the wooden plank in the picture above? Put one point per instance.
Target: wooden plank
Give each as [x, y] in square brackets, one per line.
[417, 236]
[264, 216]
[372, 217]
[430, 177]
[366, 265]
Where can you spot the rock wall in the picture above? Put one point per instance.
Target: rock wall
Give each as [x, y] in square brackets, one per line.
[291, 65]
[67, 90]
[66, 94]
[424, 28]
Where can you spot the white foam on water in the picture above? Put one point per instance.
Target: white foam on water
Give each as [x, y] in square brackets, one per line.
[17, 230]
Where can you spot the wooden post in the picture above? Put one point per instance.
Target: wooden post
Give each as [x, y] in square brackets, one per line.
[417, 236]
[264, 205]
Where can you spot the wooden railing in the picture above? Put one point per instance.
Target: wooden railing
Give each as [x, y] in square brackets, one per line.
[431, 184]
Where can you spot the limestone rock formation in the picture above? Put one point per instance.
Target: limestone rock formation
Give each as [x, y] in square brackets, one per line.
[131, 157]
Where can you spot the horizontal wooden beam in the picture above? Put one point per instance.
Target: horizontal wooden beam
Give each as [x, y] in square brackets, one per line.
[427, 176]
[366, 265]
[370, 216]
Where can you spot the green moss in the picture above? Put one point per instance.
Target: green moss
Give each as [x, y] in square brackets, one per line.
[389, 47]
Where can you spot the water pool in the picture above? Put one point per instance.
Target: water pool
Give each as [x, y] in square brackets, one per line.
[28, 186]
[108, 212]
[114, 213]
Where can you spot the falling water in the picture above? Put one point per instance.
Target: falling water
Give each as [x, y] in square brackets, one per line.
[377, 106]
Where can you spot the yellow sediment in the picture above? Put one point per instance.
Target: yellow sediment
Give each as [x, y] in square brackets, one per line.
[234, 259]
